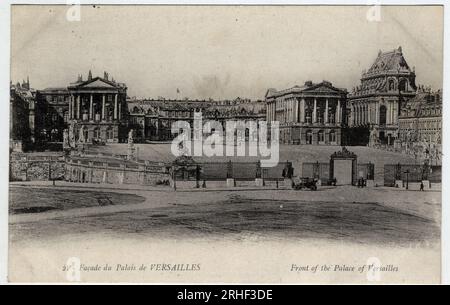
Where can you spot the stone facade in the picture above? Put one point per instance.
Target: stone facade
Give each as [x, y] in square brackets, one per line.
[86, 171]
[151, 120]
[98, 110]
[22, 125]
[421, 118]
[374, 106]
[52, 109]
[309, 114]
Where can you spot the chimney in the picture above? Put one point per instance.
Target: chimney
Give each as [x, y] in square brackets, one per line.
[90, 75]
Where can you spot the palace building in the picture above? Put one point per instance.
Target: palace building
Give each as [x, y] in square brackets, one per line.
[151, 119]
[98, 107]
[22, 125]
[420, 120]
[52, 109]
[308, 114]
[375, 105]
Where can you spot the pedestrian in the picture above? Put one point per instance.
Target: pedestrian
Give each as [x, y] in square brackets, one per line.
[421, 186]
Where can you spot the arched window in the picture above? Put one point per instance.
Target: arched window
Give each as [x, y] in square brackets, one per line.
[332, 137]
[321, 136]
[96, 133]
[309, 137]
[383, 113]
[109, 133]
[391, 85]
[402, 85]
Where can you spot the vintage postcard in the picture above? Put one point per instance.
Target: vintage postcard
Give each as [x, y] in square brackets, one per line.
[225, 144]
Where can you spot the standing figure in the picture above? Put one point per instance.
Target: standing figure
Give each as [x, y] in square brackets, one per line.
[66, 143]
[81, 138]
[130, 136]
[72, 135]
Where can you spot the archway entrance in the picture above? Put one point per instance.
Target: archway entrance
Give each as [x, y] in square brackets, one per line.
[343, 167]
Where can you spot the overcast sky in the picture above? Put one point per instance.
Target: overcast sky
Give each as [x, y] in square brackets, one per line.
[219, 52]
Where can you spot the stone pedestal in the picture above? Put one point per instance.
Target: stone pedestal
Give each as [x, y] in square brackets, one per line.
[319, 182]
[230, 182]
[426, 184]
[370, 183]
[399, 183]
[259, 182]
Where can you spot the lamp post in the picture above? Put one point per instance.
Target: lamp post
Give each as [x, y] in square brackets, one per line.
[407, 179]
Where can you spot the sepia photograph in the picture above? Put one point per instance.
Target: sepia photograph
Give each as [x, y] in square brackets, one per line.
[225, 144]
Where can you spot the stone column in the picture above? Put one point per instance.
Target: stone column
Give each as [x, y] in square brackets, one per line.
[377, 109]
[103, 107]
[78, 107]
[70, 107]
[91, 107]
[359, 115]
[120, 111]
[367, 114]
[326, 111]
[395, 116]
[296, 111]
[388, 114]
[315, 111]
[115, 106]
[291, 110]
[302, 111]
[364, 113]
[338, 112]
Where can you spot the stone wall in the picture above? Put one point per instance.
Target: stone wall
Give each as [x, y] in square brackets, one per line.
[25, 167]
[85, 171]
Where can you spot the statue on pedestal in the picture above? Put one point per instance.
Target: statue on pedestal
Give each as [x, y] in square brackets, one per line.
[81, 138]
[71, 135]
[66, 143]
[131, 154]
[373, 137]
[130, 136]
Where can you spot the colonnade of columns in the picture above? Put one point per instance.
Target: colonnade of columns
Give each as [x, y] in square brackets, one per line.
[295, 110]
[76, 106]
[370, 113]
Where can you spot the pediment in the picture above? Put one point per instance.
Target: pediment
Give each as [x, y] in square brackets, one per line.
[323, 88]
[97, 83]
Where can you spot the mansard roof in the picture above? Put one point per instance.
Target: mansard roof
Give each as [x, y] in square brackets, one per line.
[210, 107]
[418, 105]
[324, 87]
[391, 61]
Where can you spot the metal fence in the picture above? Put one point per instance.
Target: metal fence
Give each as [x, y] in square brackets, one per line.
[220, 171]
[411, 173]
